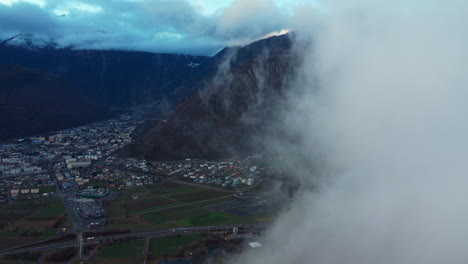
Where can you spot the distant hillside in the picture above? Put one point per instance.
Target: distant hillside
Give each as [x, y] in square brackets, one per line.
[33, 101]
[112, 78]
[236, 102]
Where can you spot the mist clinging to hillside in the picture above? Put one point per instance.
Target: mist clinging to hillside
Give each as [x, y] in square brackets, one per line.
[380, 118]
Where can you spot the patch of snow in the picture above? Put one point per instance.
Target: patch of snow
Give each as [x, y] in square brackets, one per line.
[193, 64]
[28, 41]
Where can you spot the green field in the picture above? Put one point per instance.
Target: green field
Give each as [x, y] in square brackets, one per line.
[156, 197]
[27, 205]
[122, 253]
[210, 218]
[124, 204]
[28, 257]
[29, 220]
[53, 210]
[219, 200]
[171, 245]
[48, 189]
[127, 249]
[50, 207]
[13, 233]
[172, 188]
[172, 205]
[185, 216]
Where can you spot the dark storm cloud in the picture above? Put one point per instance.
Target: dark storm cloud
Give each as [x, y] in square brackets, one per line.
[159, 26]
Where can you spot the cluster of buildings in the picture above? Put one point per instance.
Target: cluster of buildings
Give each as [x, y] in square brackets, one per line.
[102, 177]
[153, 167]
[89, 208]
[232, 174]
[227, 174]
[29, 165]
[33, 186]
[90, 212]
[72, 148]
[17, 160]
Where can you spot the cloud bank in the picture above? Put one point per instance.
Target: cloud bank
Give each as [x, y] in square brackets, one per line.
[181, 26]
[379, 112]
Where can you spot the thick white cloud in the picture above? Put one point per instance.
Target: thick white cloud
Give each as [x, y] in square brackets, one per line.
[381, 120]
[251, 17]
[40, 3]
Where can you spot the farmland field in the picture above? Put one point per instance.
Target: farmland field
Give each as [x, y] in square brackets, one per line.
[177, 205]
[197, 196]
[171, 245]
[157, 196]
[53, 210]
[122, 253]
[30, 220]
[206, 219]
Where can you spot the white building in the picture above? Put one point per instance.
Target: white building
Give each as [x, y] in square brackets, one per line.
[78, 164]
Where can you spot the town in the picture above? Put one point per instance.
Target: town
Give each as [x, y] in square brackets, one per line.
[79, 166]
[74, 183]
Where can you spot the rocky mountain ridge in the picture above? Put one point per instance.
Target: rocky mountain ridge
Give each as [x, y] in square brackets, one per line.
[233, 107]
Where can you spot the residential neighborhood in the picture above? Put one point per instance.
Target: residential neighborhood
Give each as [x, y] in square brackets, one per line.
[81, 167]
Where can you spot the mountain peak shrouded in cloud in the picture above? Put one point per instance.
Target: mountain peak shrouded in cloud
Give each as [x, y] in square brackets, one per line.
[198, 27]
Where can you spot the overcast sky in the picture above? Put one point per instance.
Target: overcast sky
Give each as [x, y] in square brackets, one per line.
[180, 26]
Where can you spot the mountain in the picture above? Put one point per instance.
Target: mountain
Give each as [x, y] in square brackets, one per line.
[33, 101]
[235, 104]
[109, 78]
[112, 78]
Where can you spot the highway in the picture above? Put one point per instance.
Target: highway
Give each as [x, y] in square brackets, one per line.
[169, 232]
[38, 248]
[80, 245]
